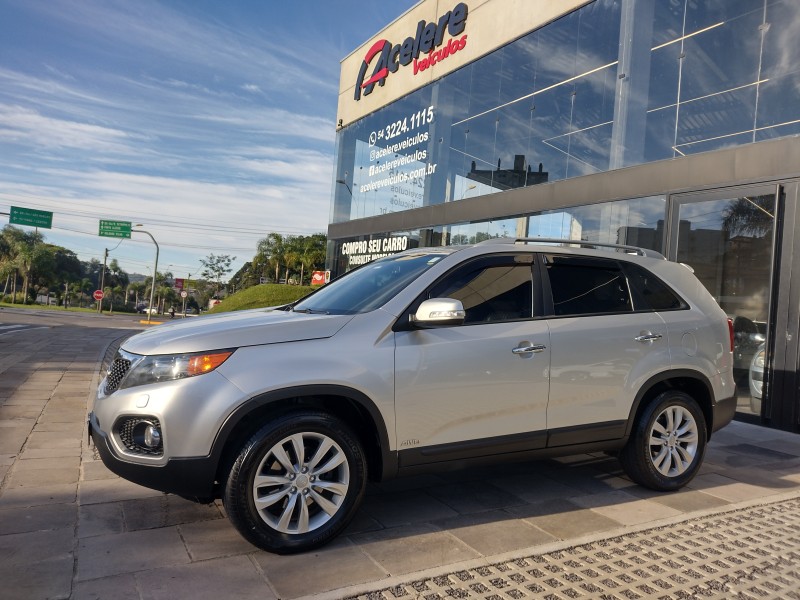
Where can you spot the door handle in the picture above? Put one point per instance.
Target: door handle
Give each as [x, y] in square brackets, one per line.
[646, 337]
[527, 349]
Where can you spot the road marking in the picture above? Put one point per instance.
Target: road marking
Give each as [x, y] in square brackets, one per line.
[18, 328]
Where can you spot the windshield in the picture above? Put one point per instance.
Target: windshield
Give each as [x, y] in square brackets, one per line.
[371, 286]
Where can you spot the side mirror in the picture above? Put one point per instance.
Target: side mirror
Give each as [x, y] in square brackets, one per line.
[438, 312]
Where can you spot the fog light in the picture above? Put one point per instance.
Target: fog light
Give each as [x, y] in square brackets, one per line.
[147, 435]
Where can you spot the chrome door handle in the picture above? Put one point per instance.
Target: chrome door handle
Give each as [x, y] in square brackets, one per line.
[648, 337]
[536, 348]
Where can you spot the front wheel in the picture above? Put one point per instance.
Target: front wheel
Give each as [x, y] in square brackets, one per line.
[296, 483]
[667, 444]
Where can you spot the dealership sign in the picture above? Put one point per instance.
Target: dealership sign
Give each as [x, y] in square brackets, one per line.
[364, 251]
[429, 40]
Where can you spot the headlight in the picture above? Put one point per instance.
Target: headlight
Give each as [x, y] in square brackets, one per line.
[153, 369]
[758, 361]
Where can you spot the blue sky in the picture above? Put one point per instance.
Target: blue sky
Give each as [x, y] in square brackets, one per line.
[211, 123]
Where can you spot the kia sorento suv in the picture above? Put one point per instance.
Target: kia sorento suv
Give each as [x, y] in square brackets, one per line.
[502, 350]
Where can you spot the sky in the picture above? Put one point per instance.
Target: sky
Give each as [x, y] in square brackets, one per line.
[209, 123]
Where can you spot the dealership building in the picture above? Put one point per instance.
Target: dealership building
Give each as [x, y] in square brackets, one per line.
[667, 124]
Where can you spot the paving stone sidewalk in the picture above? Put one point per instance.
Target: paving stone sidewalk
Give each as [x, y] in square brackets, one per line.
[568, 528]
[749, 554]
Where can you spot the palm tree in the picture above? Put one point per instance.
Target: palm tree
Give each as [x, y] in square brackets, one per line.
[273, 248]
[20, 251]
[750, 216]
[292, 254]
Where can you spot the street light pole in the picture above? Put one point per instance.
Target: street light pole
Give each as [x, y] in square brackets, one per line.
[155, 272]
[102, 282]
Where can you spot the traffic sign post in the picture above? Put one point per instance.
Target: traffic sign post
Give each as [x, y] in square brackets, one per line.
[98, 295]
[115, 229]
[30, 217]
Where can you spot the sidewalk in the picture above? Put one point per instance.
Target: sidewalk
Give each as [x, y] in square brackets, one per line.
[567, 528]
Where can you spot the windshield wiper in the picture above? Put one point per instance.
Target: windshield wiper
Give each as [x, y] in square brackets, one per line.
[310, 311]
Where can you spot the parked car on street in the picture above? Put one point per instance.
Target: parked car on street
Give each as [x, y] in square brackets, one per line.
[423, 360]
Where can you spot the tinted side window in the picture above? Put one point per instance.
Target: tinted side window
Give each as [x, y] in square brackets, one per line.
[581, 286]
[649, 292]
[489, 293]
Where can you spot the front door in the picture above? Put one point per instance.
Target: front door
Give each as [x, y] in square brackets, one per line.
[480, 387]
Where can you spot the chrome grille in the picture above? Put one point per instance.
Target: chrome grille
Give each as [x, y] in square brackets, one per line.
[116, 372]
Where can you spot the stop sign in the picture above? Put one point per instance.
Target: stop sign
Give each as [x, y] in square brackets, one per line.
[98, 294]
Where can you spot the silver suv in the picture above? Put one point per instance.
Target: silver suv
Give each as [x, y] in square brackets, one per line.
[416, 361]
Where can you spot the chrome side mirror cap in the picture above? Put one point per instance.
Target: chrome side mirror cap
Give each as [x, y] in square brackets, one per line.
[439, 312]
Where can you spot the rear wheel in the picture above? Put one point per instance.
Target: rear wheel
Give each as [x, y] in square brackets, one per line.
[296, 483]
[667, 444]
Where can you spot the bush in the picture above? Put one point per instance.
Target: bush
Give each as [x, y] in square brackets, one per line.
[260, 296]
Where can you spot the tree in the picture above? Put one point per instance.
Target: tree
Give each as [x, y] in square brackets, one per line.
[245, 277]
[291, 256]
[750, 217]
[22, 253]
[273, 250]
[289, 252]
[312, 253]
[216, 267]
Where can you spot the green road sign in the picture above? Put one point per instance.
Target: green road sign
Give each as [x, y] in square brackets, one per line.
[30, 217]
[115, 229]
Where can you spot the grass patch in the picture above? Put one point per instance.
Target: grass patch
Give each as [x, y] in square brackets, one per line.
[32, 306]
[259, 296]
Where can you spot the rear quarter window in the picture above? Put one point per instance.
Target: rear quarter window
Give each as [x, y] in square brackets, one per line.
[649, 292]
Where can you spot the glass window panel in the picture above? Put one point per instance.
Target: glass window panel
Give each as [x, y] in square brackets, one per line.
[581, 289]
[717, 121]
[728, 243]
[472, 233]
[700, 15]
[723, 30]
[490, 293]
[781, 54]
[649, 292]
[638, 222]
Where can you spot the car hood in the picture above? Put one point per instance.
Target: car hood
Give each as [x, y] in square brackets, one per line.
[233, 330]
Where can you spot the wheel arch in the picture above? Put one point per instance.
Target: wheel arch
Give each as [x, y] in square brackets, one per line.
[351, 406]
[693, 383]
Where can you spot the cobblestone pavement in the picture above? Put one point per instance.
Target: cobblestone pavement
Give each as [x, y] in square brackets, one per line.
[751, 553]
[572, 527]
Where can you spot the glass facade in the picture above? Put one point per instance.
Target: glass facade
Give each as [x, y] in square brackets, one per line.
[613, 84]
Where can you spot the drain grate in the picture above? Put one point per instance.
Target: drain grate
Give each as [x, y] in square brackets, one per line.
[749, 554]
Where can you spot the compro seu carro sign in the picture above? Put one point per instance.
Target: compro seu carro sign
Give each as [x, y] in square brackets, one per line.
[364, 251]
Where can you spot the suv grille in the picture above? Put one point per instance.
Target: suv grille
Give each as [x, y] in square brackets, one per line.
[116, 372]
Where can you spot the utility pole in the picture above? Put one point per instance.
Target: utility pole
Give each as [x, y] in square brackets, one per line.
[102, 281]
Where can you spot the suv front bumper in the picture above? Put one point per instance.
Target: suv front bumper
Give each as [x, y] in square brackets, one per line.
[191, 478]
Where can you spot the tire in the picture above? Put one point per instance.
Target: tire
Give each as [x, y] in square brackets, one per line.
[296, 483]
[667, 444]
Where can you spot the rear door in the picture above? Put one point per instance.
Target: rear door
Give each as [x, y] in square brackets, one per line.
[602, 350]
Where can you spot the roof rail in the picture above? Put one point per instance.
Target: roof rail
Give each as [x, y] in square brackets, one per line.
[582, 243]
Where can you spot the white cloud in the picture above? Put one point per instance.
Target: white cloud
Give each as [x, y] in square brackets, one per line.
[18, 124]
